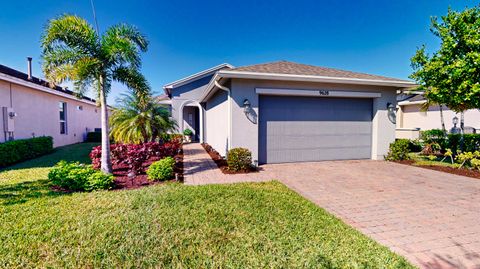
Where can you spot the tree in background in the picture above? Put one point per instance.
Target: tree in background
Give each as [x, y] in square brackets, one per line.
[74, 51]
[451, 75]
[139, 118]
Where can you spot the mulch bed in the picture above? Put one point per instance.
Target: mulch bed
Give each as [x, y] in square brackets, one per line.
[123, 181]
[222, 163]
[461, 172]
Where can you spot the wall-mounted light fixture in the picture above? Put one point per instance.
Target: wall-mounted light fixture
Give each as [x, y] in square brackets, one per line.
[246, 106]
[391, 112]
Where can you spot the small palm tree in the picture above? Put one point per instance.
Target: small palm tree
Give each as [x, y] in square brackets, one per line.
[74, 51]
[138, 118]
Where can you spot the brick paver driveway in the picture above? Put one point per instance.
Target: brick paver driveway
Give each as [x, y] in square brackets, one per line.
[430, 217]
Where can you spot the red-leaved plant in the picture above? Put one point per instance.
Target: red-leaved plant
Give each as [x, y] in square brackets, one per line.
[135, 155]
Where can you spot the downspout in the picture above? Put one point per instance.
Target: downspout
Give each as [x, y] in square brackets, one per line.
[229, 104]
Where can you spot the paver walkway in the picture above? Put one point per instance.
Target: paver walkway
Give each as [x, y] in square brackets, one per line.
[431, 218]
[199, 169]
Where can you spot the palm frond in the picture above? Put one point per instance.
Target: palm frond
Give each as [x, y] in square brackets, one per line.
[122, 44]
[70, 31]
[133, 79]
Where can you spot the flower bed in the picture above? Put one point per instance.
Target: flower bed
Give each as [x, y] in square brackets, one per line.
[222, 163]
[438, 166]
[130, 161]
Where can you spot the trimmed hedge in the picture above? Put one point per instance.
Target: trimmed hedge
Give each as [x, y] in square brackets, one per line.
[94, 137]
[239, 159]
[23, 149]
[161, 170]
[471, 142]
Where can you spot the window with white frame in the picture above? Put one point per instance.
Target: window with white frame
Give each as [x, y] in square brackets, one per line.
[62, 107]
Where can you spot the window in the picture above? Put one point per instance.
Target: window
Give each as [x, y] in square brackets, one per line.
[62, 107]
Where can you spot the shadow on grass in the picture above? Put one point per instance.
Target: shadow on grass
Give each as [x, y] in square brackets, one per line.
[22, 192]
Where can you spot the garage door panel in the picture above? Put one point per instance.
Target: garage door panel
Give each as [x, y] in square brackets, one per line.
[314, 129]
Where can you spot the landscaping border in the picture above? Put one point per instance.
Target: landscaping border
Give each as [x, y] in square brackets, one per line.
[450, 170]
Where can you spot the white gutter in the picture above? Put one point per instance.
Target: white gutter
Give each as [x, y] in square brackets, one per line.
[291, 77]
[409, 103]
[35, 86]
[229, 104]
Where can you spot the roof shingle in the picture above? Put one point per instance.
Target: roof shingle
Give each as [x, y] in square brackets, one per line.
[291, 68]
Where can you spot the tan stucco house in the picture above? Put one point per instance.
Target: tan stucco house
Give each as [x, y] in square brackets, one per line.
[31, 108]
[288, 112]
[411, 119]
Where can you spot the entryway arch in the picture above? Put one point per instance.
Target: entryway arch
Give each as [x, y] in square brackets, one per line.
[181, 123]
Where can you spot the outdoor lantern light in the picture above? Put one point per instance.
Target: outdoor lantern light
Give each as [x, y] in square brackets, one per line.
[455, 121]
[392, 113]
[246, 106]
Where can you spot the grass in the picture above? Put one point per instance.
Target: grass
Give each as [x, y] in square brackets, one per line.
[424, 160]
[251, 225]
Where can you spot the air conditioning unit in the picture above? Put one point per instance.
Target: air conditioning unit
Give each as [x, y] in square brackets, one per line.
[8, 119]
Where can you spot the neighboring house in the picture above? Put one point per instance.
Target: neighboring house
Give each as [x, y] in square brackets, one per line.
[30, 108]
[411, 119]
[288, 112]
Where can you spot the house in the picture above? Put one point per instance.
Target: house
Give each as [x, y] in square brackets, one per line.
[30, 108]
[411, 119]
[288, 112]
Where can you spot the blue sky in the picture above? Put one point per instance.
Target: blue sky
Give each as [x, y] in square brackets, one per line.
[377, 37]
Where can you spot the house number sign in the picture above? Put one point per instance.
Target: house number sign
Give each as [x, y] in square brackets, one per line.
[324, 92]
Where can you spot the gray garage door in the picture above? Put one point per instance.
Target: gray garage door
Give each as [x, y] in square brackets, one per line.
[299, 129]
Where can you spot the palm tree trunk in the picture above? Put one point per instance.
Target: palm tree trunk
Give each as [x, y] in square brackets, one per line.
[106, 165]
[442, 119]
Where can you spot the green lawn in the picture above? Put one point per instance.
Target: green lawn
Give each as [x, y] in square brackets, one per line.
[253, 225]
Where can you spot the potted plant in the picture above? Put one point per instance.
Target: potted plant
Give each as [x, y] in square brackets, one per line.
[188, 135]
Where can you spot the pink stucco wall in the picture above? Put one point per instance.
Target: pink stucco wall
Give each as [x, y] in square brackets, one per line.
[38, 114]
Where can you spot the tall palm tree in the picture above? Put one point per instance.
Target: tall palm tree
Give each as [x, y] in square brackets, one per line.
[74, 51]
[138, 118]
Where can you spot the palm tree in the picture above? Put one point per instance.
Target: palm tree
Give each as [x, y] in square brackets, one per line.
[74, 51]
[138, 118]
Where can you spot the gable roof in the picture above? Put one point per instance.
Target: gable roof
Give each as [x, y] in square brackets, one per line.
[24, 77]
[291, 68]
[195, 76]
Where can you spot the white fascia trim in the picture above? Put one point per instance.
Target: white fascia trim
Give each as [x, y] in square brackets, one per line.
[32, 85]
[198, 75]
[409, 103]
[210, 86]
[317, 93]
[310, 78]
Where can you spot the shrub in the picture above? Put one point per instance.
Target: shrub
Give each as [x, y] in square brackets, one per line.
[399, 150]
[239, 159]
[188, 132]
[99, 181]
[431, 148]
[415, 145]
[432, 136]
[79, 177]
[465, 158]
[475, 164]
[161, 170]
[23, 149]
[471, 142]
[135, 155]
[94, 137]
